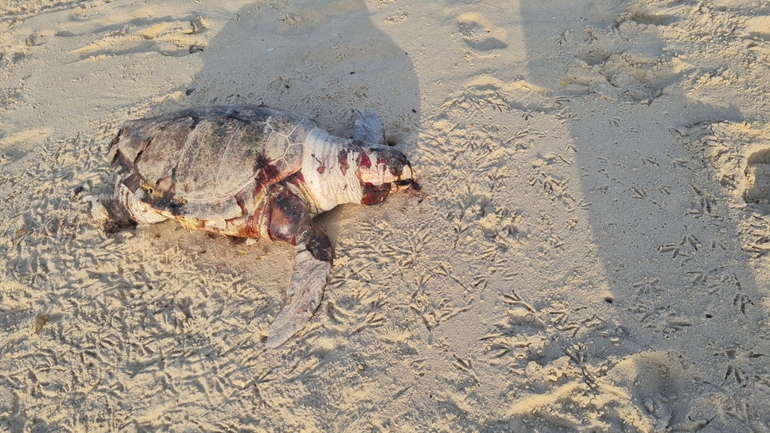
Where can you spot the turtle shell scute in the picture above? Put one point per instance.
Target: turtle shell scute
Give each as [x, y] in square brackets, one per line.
[197, 161]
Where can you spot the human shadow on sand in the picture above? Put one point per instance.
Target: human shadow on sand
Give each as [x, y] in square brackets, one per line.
[661, 223]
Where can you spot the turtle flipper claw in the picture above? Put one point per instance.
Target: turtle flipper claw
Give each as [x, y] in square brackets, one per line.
[304, 297]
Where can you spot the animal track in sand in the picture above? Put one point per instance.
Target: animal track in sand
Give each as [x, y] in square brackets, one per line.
[645, 17]
[623, 62]
[758, 27]
[758, 177]
[397, 17]
[479, 34]
[166, 35]
[299, 18]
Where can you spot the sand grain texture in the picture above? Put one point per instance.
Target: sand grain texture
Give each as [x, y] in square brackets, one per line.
[590, 253]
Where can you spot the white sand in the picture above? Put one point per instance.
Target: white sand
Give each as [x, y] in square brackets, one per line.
[583, 260]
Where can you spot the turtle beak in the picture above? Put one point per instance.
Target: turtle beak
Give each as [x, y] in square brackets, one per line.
[402, 185]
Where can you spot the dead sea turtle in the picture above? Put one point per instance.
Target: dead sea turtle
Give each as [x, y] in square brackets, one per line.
[255, 172]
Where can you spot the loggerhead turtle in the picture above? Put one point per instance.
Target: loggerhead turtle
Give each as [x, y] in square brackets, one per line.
[255, 172]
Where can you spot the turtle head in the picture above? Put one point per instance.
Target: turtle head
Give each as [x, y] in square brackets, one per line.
[383, 171]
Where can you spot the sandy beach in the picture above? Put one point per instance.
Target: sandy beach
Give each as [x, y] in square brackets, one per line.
[589, 251]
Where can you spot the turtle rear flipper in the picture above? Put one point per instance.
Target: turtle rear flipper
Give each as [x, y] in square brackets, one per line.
[121, 210]
[304, 296]
[369, 127]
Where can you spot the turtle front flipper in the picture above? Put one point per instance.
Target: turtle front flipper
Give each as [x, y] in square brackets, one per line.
[312, 265]
[369, 127]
